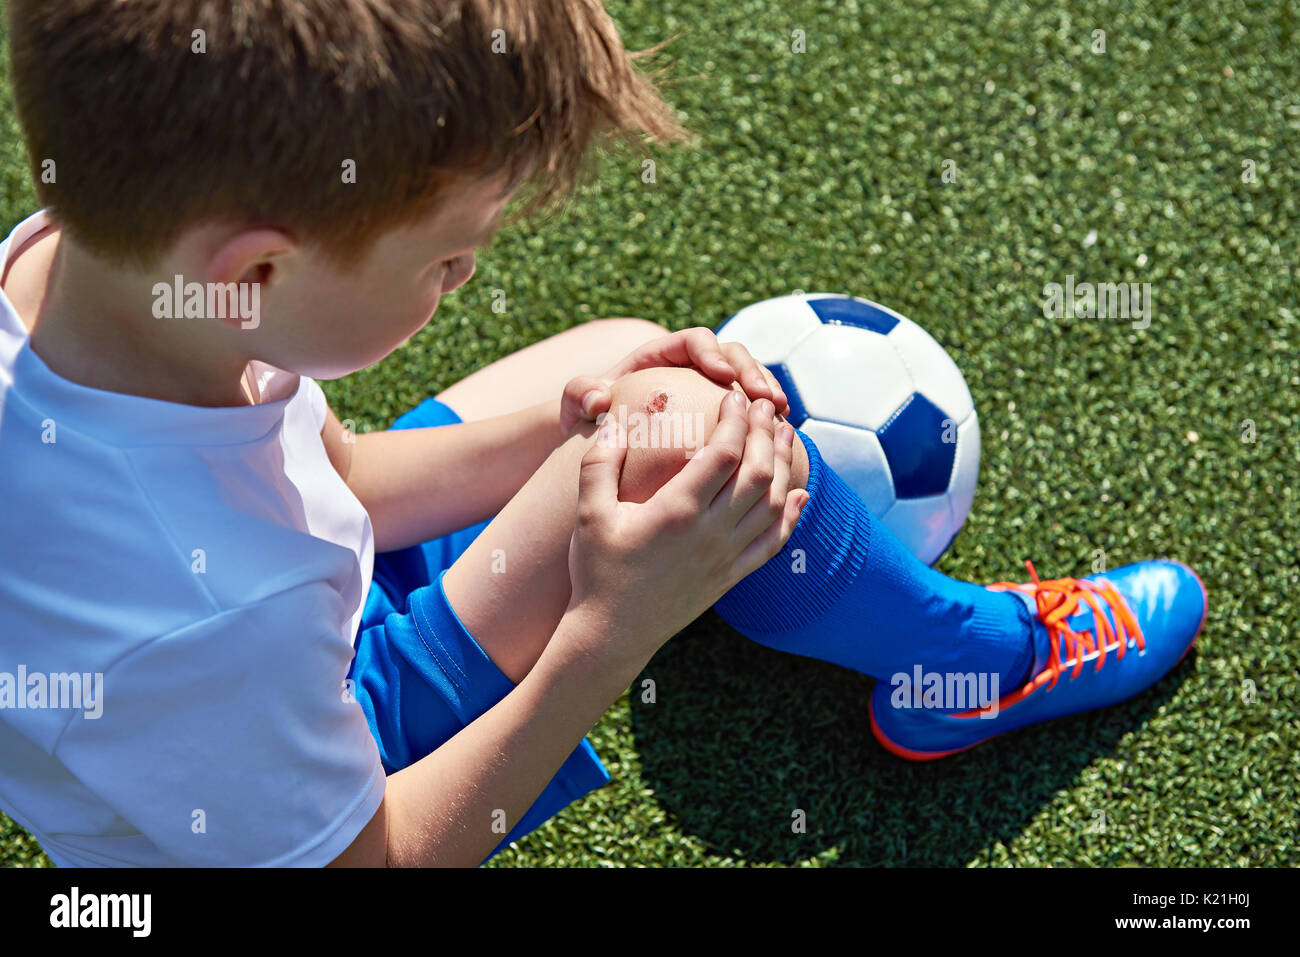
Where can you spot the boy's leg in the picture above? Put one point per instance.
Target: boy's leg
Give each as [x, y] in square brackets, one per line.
[539, 372]
[511, 586]
[844, 590]
[419, 676]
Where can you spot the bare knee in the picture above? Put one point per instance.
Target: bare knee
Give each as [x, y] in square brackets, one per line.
[668, 414]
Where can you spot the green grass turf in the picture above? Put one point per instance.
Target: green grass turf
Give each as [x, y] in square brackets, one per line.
[822, 171]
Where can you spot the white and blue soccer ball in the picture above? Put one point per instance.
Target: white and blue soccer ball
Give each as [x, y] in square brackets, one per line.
[885, 404]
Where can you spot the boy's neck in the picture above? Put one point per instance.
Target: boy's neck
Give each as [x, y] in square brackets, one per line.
[95, 326]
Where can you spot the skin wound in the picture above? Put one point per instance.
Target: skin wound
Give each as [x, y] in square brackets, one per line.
[656, 401]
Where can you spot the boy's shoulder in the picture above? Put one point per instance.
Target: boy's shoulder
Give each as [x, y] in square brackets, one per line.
[134, 517]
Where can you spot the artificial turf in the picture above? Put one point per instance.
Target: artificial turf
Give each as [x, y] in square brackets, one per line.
[823, 170]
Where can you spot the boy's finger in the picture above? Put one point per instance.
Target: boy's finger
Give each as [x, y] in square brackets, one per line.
[708, 355]
[749, 372]
[697, 348]
[757, 468]
[588, 395]
[768, 544]
[712, 466]
[600, 471]
[768, 508]
[779, 398]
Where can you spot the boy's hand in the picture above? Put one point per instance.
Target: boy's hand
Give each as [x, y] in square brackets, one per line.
[585, 397]
[643, 572]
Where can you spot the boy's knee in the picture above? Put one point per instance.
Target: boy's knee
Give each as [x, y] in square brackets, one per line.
[668, 414]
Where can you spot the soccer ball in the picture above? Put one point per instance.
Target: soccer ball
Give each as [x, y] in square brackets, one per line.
[886, 406]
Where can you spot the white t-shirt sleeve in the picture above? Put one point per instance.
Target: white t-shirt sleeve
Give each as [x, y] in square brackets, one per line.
[234, 742]
[319, 404]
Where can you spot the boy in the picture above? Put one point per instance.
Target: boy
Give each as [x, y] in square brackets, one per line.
[314, 647]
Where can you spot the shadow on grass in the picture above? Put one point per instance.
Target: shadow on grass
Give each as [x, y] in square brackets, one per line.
[740, 736]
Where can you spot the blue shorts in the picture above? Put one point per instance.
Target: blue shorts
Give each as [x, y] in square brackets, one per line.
[420, 677]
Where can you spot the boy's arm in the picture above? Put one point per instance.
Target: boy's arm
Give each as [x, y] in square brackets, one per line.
[477, 467]
[439, 811]
[418, 484]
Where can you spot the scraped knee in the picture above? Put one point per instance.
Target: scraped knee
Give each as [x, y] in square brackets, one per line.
[667, 415]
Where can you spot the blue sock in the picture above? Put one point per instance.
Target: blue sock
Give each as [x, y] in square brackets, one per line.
[844, 589]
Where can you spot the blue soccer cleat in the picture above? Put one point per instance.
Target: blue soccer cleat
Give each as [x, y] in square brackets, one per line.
[1105, 638]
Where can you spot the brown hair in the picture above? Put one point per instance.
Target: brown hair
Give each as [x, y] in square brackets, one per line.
[149, 135]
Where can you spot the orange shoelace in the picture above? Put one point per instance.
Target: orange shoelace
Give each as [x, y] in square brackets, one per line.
[1057, 600]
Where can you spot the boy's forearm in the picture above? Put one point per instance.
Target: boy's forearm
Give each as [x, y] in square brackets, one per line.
[418, 484]
[441, 809]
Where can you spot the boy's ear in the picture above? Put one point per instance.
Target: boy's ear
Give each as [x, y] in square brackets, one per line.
[251, 256]
[243, 265]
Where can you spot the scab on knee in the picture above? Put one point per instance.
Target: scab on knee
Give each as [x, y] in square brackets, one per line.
[656, 401]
